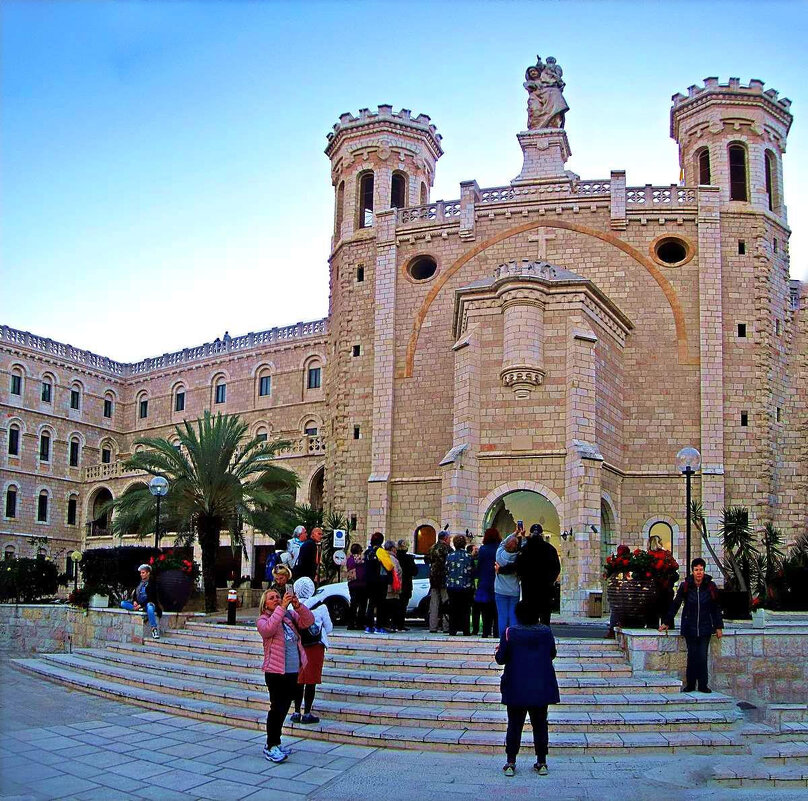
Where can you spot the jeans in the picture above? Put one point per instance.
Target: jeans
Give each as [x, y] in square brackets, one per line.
[282, 689]
[438, 609]
[697, 648]
[150, 613]
[516, 722]
[505, 610]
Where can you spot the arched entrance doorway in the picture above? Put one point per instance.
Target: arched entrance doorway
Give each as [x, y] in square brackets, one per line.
[100, 517]
[316, 488]
[425, 537]
[528, 506]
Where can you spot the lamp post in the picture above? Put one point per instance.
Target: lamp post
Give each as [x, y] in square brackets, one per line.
[75, 558]
[158, 487]
[688, 461]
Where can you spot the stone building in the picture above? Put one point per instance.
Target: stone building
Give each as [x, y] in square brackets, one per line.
[539, 351]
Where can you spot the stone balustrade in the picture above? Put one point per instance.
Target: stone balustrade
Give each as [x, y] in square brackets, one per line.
[219, 347]
[651, 197]
[116, 469]
[305, 446]
[439, 211]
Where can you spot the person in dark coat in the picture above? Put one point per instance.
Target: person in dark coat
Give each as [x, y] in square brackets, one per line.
[308, 557]
[538, 568]
[484, 596]
[701, 616]
[528, 683]
[409, 571]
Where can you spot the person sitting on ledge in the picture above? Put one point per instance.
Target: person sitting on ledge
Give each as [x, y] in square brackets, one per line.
[701, 616]
[144, 597]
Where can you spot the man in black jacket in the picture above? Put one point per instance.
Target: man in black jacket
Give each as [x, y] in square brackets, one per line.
[538, 568]
[308, 556]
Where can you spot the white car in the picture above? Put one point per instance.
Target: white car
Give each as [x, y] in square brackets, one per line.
[338, 600]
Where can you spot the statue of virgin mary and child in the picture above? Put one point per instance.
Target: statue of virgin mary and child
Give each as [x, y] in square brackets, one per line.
[546, 106]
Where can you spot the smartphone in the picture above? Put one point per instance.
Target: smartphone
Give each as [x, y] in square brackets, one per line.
[520, 524]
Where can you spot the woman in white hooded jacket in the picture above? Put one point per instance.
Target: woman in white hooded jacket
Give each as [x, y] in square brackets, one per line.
[312, 674]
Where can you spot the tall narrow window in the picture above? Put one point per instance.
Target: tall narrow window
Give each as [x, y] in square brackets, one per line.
[16, 384]
[44, 448]
[366, 200]
[47, 392]
[360, 274]
[75, 399]
[704, 167]
[741, 247]
[265, 385]
[398, 191]
[179, 401]
[768, 166]
[106, 455]
[744, 419]
[11, 502]
[424, 193]
[42, 507]
[72, 507]
[340, 209]
[107, 407]
[221, 392]
[14, 441]
[313, 381]
[143, 409]
[74, 452]
[737, 173]
[742, 330]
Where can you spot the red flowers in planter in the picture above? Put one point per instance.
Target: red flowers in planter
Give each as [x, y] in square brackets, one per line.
[657, 565]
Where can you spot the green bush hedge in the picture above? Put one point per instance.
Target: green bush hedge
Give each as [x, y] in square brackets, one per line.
[26, 580]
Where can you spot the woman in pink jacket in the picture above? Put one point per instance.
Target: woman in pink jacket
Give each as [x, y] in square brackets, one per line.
[284, 656]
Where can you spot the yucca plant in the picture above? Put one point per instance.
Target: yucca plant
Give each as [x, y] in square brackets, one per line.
[218, 479]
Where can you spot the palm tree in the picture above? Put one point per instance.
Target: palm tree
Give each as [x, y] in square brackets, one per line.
[217, 480]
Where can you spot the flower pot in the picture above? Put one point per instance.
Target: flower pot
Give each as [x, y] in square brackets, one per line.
[631, 600]
[758, 618]
[734, 604]
[173, 589]
[98, 601]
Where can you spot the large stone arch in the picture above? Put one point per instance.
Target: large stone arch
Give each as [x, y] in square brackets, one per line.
[645, 262]
[513, 486]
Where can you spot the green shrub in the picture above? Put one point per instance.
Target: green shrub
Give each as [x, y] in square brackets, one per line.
[25, 580]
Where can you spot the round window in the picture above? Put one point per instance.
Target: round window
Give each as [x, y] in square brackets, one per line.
[422, 268]
[671, 251]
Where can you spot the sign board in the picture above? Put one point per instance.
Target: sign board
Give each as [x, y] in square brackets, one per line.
[339, 539]
[339, 558]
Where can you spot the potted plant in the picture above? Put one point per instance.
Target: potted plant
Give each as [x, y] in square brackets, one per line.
[634, 582]
[99, 596]
[175, 576]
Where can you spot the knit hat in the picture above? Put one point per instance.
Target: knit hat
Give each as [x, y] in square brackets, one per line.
[304, 588]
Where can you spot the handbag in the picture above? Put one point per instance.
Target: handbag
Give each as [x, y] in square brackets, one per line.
[311, 636]
[396, 581]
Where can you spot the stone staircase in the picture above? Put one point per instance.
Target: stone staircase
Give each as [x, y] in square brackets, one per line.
[413, 691]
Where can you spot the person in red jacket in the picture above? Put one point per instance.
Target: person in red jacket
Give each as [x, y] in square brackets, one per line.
[284, 657]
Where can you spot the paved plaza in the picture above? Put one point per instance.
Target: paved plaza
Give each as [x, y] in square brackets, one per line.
[57, 743]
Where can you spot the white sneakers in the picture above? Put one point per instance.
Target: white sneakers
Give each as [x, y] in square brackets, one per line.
[155, 633]
[274, 754]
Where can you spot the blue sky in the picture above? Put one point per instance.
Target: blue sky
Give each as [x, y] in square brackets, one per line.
[163, 169]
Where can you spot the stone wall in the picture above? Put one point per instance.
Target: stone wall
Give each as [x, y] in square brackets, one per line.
[762, 665]
[44, 628]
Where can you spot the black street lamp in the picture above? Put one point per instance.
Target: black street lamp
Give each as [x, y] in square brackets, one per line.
[158, 487]
[75, 558]
[688, 461]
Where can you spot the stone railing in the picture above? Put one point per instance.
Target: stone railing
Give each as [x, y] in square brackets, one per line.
[305, 446]
[431, 212]
[497, 194]
[101, 472]
[599, 187]
[648, 196]
[210, 349]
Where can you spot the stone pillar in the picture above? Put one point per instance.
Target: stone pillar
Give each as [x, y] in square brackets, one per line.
[583, 472]
[523, 342]
[619, 221]
[711, 319]
[384, 359]
[545, 151]
[469, 197]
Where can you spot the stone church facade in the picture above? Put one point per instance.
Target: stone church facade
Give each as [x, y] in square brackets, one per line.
[539, 350]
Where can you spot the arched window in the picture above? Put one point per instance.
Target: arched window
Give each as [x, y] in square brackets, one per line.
[662, 530]
[46, 388]
[14, 440]
[11, 502]
[424, 194]
[366, 200]
[108, 449]
[264, 382]
[398, 191]
[178, 404]
[42, 507]
[313, 374]
[220, 395]
[311, 428]
[75, 450]
[262, 433]
[142, 406]
[72, 510]
[769, 168]
[703, 165]
[737, 173]
[76, 391]
[44, 447]
[340, 208]
[16, 381]
[109, 404]
[9, 552]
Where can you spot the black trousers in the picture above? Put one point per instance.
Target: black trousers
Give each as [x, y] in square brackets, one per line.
[377, 601]
[488, 610]
[359, 606]
[282, 689]
[400, 615]
[697, 650]
[516, 722]
[304, 696]
[459, 610]
[541, 601]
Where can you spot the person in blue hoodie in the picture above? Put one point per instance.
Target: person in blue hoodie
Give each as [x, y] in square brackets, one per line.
[701, 617]
[528, 683]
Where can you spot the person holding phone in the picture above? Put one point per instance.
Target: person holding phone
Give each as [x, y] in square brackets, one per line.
[284, 657]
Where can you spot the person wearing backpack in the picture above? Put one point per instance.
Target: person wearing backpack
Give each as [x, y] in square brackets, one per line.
[311, 674]
[377, 576]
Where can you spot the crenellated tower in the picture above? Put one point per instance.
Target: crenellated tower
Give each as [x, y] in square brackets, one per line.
[734, 137]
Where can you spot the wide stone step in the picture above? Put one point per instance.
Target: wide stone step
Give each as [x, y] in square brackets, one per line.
[374, 734]
[785, 753]
[432, 712]
[752, 775]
